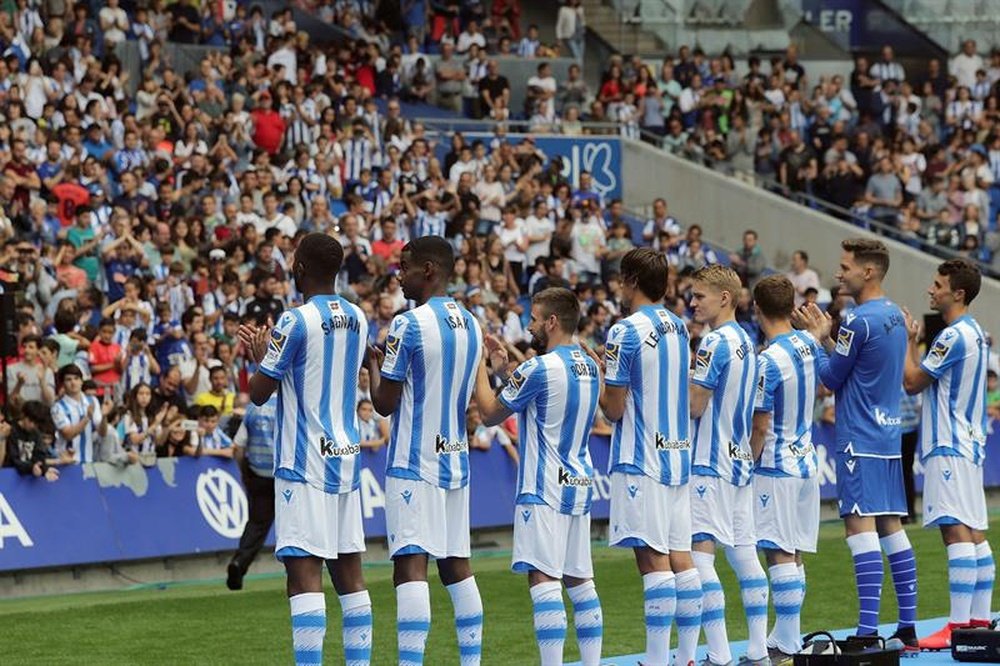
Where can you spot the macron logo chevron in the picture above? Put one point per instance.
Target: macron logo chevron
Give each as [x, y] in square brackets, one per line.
[287, 493]
[632, 490]
[701, 491]
[407, 495]
[525, 515]
[764, 500]
[850, 465]
[946, 474]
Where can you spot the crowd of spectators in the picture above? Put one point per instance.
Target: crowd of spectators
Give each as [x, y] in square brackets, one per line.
[142, 222]
[913, 154]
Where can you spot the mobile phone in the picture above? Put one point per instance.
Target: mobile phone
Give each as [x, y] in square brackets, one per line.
[189, 425]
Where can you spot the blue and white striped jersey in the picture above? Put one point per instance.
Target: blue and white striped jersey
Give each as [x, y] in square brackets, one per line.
[727, 365]
[357, 157]
[256, 433]
[430, 225]
[434, 350]
[648, 353]
[786, 388]
[216, 440]
[68, 411]
[316, 352]
[954, 422]
[555, 397]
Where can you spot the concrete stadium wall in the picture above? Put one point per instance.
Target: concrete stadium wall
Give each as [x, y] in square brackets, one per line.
[726, 207]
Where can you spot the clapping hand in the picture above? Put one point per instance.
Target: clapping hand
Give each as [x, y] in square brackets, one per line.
[912, 326]
[813, 320]
[497, 353]
[254, 338]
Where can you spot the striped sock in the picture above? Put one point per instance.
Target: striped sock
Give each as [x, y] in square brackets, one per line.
[985, 572]
[357, 612]
[589, 621]
[468, 620]
[413, 621]
[961, 580]
[713, 609]
[688, 615]
[659, 595]
[550, 622]
[308, 627]
[868, 572]
[802, 577]
[753, 592]
[786, 586]
[903, 566]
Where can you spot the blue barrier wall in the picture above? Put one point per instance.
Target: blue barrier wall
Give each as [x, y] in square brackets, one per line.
[97, 513]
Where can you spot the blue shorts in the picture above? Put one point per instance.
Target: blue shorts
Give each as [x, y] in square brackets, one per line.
[870, 486]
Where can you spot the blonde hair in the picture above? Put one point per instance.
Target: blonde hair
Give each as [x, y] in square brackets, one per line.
[722, 278]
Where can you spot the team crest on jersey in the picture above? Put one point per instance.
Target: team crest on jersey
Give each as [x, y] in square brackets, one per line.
[451, 306]
[334, 306]
[845, 338]
[391, 345]
[702, 362]
[576, 355]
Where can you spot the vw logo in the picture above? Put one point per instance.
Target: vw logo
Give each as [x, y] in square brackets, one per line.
[222, 502]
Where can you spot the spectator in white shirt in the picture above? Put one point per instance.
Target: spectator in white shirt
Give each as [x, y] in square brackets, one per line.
[801, 276]
[539, 228]
[543, 89]
[965, 65]
[114, 23]
[515, 242]
[470, 36]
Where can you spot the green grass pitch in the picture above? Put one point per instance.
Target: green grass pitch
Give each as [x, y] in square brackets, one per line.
[203, 623]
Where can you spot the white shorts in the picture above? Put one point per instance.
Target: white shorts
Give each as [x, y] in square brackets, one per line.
[554, 543]
[647, 513]
[953, 493]
[786, 513]
[421, 518]
[310, 521]
[721, 511]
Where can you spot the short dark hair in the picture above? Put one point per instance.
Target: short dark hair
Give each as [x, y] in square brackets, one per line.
[803, 254]
[648, 269]
[71, 369]
[962, 274]
[35, 411]
[208, 412]
[28, 339]
[216, 368]
[320, 256]
[775, 296]
[868, 251]
[433, 249]
[562, 303]
[106, 321]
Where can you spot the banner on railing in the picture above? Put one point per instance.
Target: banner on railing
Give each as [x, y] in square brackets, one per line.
[181, 506]
[601, 156]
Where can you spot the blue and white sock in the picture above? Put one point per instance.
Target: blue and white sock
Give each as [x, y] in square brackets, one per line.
[802, 577]
[550, 622]
[786, 587]
[985, 572]
[468, 620]
[753, 592]
[659, 594]
[961, 581]
[413, 621]
[713, 609]
[589, 621]
[688, 615]
[308, 627]
[868, 573]
[903, 566]
[356, 609]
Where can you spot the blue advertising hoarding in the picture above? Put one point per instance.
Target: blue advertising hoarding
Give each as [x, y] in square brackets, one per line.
[599, 155]
[98, 513]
